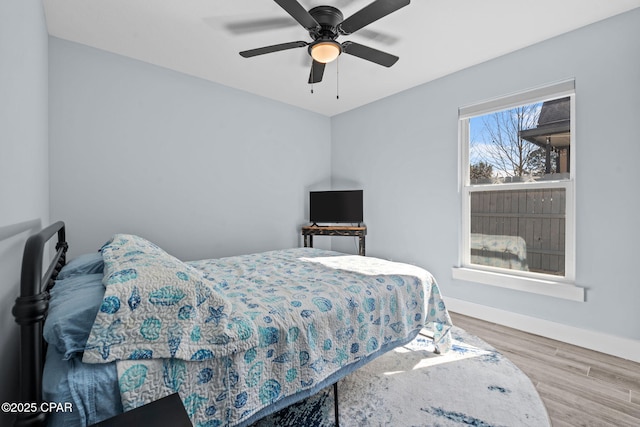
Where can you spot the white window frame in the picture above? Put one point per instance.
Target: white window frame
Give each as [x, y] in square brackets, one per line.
[539, 283]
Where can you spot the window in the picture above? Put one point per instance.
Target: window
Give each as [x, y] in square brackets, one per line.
[517, 175]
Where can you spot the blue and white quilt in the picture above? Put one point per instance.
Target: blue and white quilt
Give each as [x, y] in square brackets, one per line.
[240, 337]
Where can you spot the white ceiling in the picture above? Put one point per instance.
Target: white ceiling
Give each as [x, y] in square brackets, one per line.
[433, 38]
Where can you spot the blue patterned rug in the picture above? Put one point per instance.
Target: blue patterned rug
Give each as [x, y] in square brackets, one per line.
[471, 385]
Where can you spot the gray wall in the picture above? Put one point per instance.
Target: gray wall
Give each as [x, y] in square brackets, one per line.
[201, 169]
[24, 170]
[403, 151]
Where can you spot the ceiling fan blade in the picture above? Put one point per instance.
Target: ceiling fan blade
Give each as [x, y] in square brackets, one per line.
[374, 11]
[317, 70]
[299, 13]
[369, 53]
[271, 49]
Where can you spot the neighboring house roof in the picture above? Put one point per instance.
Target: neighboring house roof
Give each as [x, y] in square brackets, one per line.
[553, 125]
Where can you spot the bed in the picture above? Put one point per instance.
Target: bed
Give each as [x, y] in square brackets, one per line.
[238, 338]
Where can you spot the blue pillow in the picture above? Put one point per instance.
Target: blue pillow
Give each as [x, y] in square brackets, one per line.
[83, 264]
[73, 306]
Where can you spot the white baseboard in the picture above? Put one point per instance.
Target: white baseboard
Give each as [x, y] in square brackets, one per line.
[610, 344]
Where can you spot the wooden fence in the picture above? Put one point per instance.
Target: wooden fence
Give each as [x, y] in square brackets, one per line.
[538, 216]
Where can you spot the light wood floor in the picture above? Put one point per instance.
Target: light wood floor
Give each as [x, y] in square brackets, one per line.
[579, 387]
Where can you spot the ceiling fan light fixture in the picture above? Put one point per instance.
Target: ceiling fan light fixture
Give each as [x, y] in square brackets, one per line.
[325, 51]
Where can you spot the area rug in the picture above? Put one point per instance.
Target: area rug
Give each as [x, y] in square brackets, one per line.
[471, 385]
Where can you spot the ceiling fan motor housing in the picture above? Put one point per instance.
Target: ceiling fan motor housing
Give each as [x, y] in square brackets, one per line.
[328, 17]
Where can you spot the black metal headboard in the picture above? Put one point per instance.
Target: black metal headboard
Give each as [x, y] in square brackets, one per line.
[30, 310]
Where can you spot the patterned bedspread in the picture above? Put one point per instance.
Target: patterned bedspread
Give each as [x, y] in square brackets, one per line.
[243, 336]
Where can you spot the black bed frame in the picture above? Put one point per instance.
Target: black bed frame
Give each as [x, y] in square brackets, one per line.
[30, 310]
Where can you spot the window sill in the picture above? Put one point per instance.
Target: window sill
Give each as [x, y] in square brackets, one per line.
[551, 288]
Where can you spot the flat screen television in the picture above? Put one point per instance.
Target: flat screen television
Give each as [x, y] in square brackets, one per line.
[335, 206]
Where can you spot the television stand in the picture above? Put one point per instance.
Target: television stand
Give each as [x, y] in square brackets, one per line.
[335, 230]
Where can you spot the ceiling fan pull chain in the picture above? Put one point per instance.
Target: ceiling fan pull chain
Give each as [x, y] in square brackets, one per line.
[337, 75]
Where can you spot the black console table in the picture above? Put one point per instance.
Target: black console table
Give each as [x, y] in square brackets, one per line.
[334, 230]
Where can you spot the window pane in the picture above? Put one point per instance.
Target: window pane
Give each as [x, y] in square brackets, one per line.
[519, 229]
[526, 143]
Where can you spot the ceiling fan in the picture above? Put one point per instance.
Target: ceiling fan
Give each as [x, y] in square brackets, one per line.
[325, 24]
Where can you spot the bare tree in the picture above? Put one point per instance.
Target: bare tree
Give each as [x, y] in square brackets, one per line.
[498, 143]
